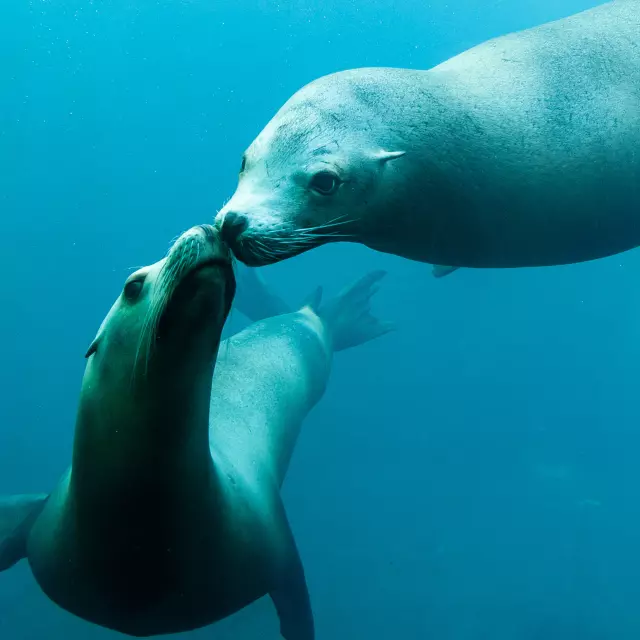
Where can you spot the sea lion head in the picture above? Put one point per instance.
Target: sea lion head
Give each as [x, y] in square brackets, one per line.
[312, 176]
[164, 329]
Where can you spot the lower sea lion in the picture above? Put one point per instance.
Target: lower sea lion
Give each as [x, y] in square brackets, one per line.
[522, 151]
[170, 517]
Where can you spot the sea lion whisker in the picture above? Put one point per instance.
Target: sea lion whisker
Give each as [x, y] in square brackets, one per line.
[178, 260]
[266, 252]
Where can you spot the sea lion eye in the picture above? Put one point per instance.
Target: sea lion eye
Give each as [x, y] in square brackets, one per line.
[132, 290]
[325, 183]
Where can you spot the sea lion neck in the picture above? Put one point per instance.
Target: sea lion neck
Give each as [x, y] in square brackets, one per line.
[149, 432]
[141, 470]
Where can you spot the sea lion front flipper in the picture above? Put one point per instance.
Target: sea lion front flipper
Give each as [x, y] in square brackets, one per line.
[17, 515]
[290, 596]
[440, 270]
[254, 299]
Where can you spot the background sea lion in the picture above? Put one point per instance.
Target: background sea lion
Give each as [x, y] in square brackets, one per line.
[522, 151]
[170, 516]
[254, 299]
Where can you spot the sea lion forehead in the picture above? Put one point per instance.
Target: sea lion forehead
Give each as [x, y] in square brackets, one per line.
[305, 128]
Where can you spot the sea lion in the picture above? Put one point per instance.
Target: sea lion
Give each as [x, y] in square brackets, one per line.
[254, 299]
[522, 151]
[170, 517]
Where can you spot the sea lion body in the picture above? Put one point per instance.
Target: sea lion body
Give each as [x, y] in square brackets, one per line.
[170, 517]
[522, 151]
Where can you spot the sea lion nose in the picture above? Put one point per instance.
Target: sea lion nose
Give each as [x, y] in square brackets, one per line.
[232, 226]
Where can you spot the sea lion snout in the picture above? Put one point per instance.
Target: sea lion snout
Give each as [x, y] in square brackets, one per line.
[200, 245]
[233, 225]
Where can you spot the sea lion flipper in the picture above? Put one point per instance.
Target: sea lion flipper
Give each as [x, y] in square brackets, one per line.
[314, 299]
[291, 599]
[441, 270]
[254, 299]
[17, 515]
[348, 316]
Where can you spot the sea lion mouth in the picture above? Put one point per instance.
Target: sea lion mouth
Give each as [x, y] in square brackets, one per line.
[197, 250]
[197, 277]
[261, 252]
[258, 245]
[194, 296]
[198, 267]
[212, 263]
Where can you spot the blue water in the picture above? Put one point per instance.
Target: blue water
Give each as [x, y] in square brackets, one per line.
[472, 476]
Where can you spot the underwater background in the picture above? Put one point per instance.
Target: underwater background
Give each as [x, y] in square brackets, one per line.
[472, 476]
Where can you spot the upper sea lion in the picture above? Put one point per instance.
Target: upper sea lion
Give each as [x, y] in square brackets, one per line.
[522, 151]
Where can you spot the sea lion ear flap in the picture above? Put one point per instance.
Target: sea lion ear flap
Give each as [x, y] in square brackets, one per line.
[93, 347]
[384, 156]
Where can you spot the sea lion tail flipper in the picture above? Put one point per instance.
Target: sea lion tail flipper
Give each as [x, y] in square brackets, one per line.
[348, 316]
[290, 597]
[254, 299]
[17, 515]
[314, 299]
[440, 270]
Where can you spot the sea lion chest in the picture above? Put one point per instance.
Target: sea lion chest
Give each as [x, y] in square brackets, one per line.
[144, 559]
